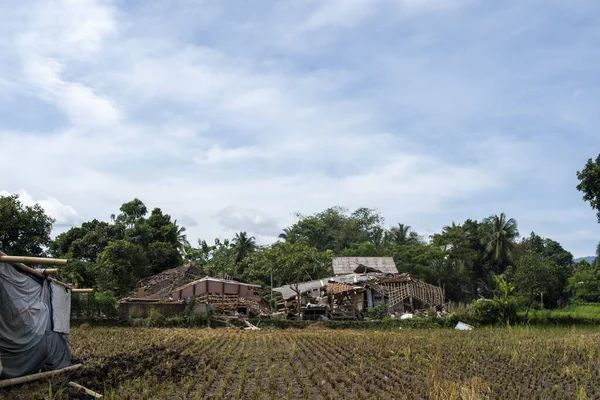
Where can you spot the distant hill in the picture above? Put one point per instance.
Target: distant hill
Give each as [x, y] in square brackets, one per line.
[589, 259]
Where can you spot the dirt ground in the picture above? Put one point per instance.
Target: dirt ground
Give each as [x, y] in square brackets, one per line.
[143, 363]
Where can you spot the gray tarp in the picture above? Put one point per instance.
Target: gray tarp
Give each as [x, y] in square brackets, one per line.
[27, 342]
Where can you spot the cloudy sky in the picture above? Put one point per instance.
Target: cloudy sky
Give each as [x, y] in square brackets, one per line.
[233, 115]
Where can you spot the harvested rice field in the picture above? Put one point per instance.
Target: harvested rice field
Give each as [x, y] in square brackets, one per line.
[144, 363]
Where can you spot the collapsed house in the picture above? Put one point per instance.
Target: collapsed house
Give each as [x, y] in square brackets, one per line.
[171, 291]
[223, 296]
[34, 318]
[359, 284]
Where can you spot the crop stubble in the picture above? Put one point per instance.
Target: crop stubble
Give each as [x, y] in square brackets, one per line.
[141, 363]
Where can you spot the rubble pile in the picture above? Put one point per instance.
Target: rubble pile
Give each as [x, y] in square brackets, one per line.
[159, 286]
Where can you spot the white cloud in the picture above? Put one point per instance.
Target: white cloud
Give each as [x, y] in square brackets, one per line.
[235, 219]
[64, 214]
[405, 113]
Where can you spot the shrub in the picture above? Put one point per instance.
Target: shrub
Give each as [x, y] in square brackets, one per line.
[494, 312]
[155, 318]
[94, 306]
[378, 312]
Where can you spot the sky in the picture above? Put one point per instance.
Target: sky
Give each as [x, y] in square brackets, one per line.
[234, 115]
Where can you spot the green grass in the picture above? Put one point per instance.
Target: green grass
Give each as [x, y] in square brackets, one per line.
[575, 314]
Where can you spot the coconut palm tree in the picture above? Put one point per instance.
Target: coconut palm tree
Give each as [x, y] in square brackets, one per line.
[285, 234]
[401, 235]
[243, 245]
[182, 242]
[499, 238]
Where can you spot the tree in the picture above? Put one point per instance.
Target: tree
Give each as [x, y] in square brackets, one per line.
[120, 264]
[24, 230]
[243, 245]
[288, 264]
[584, 284]
[86, 242]
[533, 274]
[131, 212]
[336, 229]
[182, 242]
[589, 184]
[401, 235]
[365, 249]
[499, 238]
[553, 251]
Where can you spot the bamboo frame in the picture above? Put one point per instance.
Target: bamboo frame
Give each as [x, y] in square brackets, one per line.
[36, 377]
[32, 271]
[33, 260]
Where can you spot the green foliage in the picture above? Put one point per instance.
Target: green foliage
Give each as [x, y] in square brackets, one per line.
[94, 306]
[24, 230]
[365, 249]
[499, 235]
[584, 283]
[155, 318]
[113, 256]
[493, 312]
[335, 229]
[379, 312]
[288, 263]
[589, 183]
[119, 265]
[131, 213]
[86, 242]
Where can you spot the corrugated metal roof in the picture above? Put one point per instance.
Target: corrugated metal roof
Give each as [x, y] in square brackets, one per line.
[349, 265]
[287, 292]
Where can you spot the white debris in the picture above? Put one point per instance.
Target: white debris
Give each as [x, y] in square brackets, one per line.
[461, 326]
[406, 316]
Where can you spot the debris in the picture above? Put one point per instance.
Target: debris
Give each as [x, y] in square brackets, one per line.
[461, 326]
[86, 390]
[250, 326]
[406, 316]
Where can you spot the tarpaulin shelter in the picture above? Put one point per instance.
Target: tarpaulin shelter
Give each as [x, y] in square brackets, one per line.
[34, 320]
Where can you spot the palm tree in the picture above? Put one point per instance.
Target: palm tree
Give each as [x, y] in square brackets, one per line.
[285, 234]
[499, 240]
[401, 235]
[243, 246]
[182, 242]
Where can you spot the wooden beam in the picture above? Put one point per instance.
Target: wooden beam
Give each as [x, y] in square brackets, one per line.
[33, 260]
[36, 377]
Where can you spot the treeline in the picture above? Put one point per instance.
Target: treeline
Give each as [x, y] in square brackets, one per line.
[465, 259]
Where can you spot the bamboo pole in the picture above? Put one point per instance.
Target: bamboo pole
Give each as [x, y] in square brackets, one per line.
[33, 260]
[36, 377]
[86, 390]
[82, 290]
[50, 271]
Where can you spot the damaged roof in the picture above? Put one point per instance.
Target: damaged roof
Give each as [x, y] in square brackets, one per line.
[350, 265]
[288, 291]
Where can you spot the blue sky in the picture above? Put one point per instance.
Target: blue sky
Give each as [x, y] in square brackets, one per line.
[233, 115]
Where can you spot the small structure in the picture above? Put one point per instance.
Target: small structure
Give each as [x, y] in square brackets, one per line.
[223, 296]
[34, 317]
[359, 284]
